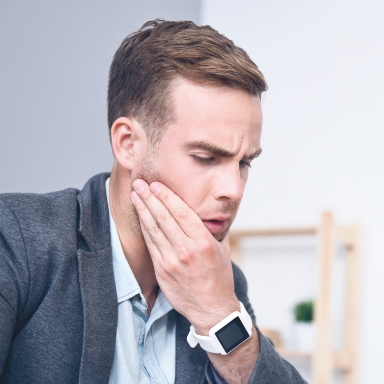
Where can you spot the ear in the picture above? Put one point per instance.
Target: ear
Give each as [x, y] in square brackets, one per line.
[128, 140]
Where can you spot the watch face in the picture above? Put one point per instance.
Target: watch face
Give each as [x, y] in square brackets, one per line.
[232, 334]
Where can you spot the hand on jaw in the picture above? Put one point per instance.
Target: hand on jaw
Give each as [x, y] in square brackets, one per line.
[193, 270]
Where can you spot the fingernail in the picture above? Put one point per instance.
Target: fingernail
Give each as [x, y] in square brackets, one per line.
[139, 185]
[135, 197]
[155, 188]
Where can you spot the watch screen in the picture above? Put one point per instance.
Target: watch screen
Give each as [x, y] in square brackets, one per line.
[232, 334]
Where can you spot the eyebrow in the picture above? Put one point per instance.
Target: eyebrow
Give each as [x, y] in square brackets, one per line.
[217, 151]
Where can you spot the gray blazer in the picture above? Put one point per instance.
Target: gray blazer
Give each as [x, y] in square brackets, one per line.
[58, 306]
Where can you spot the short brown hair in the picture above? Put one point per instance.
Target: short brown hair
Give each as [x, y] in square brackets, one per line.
[149, 59]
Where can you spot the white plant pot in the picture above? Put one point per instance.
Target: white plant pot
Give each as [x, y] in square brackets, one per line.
[304, 336]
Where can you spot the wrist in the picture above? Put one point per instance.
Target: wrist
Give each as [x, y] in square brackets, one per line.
[204, 323]
[226, 335]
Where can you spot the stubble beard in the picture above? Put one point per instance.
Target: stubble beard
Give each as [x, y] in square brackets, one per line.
[220, 236]
[148, 174]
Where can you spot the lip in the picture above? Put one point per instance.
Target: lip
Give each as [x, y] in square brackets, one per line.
[215, 226]
[219, 217]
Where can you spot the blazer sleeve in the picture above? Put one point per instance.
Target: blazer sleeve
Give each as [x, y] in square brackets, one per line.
[13, 278]
[270, 366]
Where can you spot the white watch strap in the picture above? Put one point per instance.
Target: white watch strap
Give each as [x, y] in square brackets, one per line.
[210, 344]
[245, 317]
[206, 342]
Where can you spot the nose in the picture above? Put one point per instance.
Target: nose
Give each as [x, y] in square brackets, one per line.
[229, 185]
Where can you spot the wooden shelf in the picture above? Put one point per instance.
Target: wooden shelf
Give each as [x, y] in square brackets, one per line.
[324, 358]
[340, 359]
[288, 231]
[291, 354]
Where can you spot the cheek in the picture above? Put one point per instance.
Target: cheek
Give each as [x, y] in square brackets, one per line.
[185, 181]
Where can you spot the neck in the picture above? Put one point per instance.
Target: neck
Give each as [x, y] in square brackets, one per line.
[131, 237]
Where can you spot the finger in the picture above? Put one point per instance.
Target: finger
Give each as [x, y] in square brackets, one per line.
[187, 218]
[160, 213]
[150, 225]
[153, 250]
[156, 256]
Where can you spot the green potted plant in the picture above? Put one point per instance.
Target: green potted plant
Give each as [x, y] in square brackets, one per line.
[304, 326]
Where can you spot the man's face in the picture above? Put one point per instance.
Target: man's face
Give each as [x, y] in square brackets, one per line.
[205, 153]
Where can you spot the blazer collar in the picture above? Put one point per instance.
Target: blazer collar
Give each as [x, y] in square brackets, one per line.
[97, 283]
[93, 225]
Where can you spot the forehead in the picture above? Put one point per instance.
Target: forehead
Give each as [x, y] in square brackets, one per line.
[227, 117]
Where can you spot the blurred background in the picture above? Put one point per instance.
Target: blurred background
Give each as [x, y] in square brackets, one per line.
[323, 136]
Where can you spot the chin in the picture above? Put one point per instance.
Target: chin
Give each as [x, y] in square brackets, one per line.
[220, 236]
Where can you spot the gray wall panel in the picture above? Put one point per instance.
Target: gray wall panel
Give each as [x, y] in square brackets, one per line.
[53, 74]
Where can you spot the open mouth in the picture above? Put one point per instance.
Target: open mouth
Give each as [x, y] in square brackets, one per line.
[215, 226]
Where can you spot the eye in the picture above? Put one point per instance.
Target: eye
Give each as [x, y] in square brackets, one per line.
[244, 164]
[204, 160]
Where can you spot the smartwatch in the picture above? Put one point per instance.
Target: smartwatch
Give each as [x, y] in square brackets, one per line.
[225, 336]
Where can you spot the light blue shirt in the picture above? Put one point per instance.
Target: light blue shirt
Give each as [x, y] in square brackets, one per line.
[145, 345]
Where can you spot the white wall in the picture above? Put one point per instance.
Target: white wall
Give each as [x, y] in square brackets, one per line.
[323, 139]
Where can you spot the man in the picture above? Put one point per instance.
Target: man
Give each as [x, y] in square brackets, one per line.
[185, 122]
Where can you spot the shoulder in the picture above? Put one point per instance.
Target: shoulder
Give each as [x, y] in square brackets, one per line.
[35, 208]
[38, 241]
[37, 227]
[241, 285]
[40, 221]
[31, 215]
[51, 221]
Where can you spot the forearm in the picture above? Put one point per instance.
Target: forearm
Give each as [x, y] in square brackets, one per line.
[237, 366]
[269, 368]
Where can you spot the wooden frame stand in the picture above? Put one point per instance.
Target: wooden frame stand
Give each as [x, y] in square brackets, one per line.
[324, 358]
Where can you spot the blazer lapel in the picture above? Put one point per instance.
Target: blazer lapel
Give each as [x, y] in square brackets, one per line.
[99, 299]
[190, 362]
[97, 283]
